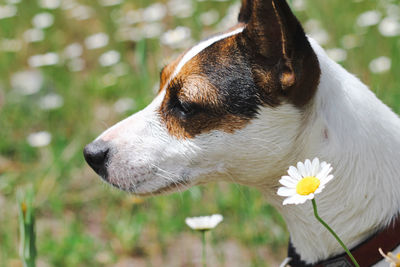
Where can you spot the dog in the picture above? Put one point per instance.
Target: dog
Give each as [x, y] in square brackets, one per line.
[244, 105]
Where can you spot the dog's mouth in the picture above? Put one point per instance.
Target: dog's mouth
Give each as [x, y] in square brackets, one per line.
[168, 189]
[135, 189]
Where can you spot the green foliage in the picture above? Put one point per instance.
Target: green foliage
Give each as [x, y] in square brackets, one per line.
[27, 235]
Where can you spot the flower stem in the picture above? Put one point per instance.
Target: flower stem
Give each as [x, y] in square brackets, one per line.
[204, 248]
[333, 233]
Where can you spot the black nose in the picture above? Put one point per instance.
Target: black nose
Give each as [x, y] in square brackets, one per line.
[96, 155]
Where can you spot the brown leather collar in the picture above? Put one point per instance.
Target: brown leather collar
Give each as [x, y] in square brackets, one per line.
[366, 253]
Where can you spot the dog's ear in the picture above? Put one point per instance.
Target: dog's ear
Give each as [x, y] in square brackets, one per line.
[245, 11]
[276, 36]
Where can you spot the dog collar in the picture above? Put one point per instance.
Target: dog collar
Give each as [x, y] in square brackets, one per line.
[366, 253]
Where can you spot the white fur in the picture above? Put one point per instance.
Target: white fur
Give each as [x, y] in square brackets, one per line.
[345, 125]
[363, 146]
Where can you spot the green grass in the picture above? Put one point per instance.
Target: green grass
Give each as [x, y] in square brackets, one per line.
[80, 221]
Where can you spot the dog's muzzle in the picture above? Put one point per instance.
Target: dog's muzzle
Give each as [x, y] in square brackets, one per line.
[96, 155]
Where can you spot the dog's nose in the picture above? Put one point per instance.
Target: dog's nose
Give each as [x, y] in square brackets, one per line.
[96, 155]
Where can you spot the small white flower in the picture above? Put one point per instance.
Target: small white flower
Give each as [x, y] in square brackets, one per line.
[39, 139]
[155, 12]
[210, 17]
[51, 101]
[321, 36]
[33, 35]
[389, 27]
[380, 65]
[337, 54]
[369, 18]
[230, 18]
[133, 17]
[181, 8]
[50, 4]
[81, 12]
[109, 58]
[123, 105]
[76, 64]
[110, 2]
[97, 40]
[392, 10]
[7, 11]
[27, 82]
[43, 20]
[299, 5]
[47, 59]
[73, 50]
[305, 181]
[68, 4]
[350, 41]
[394, 260]
[152, 30]
[316, 31]
[204, 223]
[176, 36]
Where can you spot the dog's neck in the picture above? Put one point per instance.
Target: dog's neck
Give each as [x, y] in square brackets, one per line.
[350, 128]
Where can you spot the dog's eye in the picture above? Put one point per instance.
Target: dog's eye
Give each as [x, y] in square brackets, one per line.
[184, 109]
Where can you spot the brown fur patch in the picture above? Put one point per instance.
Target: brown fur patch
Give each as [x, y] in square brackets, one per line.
[203, 123]
[167, 72]
[192, 86]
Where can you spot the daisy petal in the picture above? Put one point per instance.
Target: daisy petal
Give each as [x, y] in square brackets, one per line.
[291, 200]
[293, 172]
[310, 196]
[322, 165]
[315, 166]
[288, 181]
[326, 180]
[325, 171]
[319, 190]
[285, 192]
[308, 166]
[301, 200]
[302, 169]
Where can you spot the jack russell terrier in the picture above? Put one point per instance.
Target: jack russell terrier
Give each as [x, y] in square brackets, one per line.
[244, 105]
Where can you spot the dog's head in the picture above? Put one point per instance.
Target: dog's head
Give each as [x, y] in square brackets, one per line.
[229, 108]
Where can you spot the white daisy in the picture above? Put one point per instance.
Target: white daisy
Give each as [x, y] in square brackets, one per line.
[176, 36]
[97, 40]
[109, 58]
[43, 20]
[393, 260]
[369, 18]
[337, 54]
[305, 181]
[204, 223]
[39, 139]
[380, 65]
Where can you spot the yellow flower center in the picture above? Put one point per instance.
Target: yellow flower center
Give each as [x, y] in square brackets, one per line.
[307, 185]
[398, 257]
[24, 208]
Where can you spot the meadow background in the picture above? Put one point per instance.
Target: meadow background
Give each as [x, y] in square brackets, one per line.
[71, 68]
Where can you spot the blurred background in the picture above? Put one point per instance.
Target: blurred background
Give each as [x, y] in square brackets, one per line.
[69, 69]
